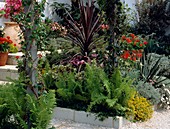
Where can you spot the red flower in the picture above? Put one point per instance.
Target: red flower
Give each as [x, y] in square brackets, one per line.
[126, 55]
[132, 35]
[15, 45]
[137, 40]
[145, 43]
[134, 58]
[128, 40]
[17, 57]
[123, 37]
[134, 51]
[8, 37]
[139, 55]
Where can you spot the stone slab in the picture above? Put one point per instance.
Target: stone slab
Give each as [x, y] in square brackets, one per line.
[88, 118]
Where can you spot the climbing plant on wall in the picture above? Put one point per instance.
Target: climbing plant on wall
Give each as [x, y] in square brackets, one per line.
[33, 107]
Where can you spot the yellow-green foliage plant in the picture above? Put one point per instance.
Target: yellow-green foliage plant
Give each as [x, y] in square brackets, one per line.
[140, 109]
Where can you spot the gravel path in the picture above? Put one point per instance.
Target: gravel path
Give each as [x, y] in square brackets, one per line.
[160, 120]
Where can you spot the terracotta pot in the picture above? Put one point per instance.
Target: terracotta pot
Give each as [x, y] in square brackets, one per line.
[13, 30]
[3, 58]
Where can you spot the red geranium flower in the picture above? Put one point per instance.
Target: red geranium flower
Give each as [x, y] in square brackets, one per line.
[145, 43]
[17, 57]
[123, 37]
[128, 40]
[132, 35]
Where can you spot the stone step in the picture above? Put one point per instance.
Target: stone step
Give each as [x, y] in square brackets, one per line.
[12, 58]
[8, 71]
[4, 82]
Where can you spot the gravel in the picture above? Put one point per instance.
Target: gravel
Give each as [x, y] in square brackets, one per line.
[160, 120]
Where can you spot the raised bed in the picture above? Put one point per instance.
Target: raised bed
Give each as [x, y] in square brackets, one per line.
[88, 118]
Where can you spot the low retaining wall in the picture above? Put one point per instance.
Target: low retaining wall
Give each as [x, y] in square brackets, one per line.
[88, 118]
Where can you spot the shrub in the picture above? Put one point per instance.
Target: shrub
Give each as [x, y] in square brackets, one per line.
[140, 108]
[148, 91]
[115, 94]
[154, 18]
[19, 110]
[84, 32]
[93, 91]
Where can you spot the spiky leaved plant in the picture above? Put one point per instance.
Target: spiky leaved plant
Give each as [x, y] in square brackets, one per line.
[83, 33]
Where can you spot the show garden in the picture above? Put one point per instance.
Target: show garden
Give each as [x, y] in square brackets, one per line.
[99, 59]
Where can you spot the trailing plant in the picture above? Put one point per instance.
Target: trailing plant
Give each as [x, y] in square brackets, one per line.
[140, 108]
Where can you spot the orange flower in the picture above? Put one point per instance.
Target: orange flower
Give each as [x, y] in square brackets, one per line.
[141, 45]
[135, 43]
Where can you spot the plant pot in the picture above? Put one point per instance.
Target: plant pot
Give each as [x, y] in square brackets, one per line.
[3, 58]
[13, 30]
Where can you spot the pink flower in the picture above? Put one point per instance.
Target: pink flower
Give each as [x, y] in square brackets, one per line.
[12, 7]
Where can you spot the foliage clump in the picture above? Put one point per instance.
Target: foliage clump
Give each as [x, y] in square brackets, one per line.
[15, 104]
[148, 91]
[154, 19]
[93, 91]
[140, 108]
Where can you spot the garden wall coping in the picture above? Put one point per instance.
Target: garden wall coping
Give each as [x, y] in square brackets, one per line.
[88, 118]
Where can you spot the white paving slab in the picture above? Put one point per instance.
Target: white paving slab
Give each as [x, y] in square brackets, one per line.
[8, 71]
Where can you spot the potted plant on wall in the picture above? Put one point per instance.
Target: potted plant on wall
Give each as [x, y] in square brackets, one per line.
[5, 45]
[12, 29]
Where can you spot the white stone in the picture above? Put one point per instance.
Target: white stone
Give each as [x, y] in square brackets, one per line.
[63, 113]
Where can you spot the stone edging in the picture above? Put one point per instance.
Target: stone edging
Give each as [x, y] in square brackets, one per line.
[88, 118]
